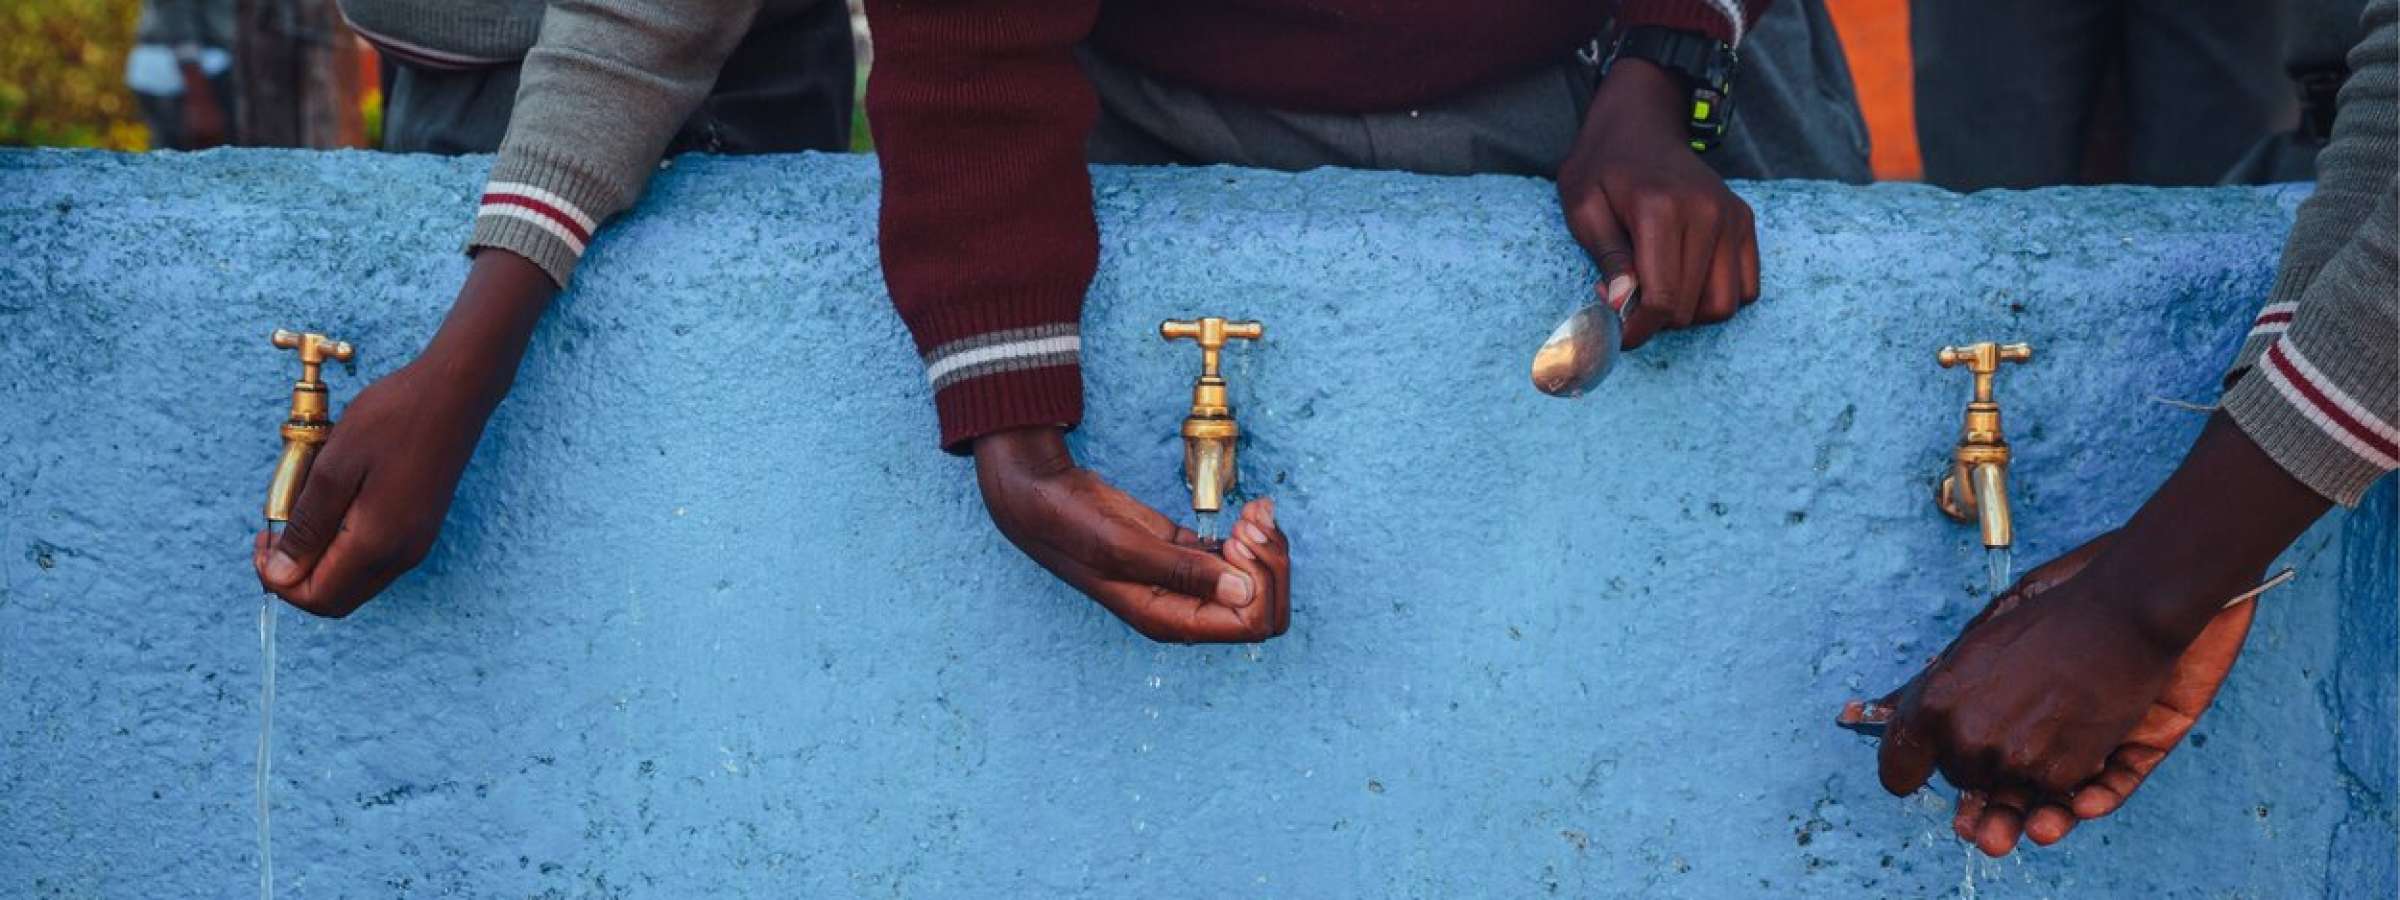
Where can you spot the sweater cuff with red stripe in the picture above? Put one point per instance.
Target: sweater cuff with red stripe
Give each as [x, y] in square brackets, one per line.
[2301, 396]
[1725, 20]
[1004, 378]
[543, 209]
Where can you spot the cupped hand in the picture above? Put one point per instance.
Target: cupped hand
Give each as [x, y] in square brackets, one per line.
[1157, 577]
[1640, 201]
[2077, 731]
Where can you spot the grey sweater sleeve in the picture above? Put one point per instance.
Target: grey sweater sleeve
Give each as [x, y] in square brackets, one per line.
[2317, 383]
[604, 89]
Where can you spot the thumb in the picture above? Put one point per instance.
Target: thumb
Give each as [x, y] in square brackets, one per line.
[325, 497]
[1595, 226]
[1906, 758]
[1192, 573]
[1905, 761]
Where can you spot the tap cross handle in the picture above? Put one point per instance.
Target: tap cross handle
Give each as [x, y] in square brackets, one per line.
[314, 349]
[1211, 333]
[1983, 359]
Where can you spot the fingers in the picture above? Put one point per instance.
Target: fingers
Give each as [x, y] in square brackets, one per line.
[2003, 821]
[2049, 823]
[325, 495]
[1988, 825]
[344, 577]
[1702, 235]
[1658, 257]
[1594, 225]
[1184, 570]
[2127, 769]
[1171, 618]
[1970, 814]
[1723, 296]
[1259, 549]
[258, 553]
[1748, 257]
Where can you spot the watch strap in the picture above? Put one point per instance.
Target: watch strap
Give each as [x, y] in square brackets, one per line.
[1706, 65]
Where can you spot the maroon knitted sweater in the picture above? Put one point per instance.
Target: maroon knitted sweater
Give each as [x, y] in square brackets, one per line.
[980, 112]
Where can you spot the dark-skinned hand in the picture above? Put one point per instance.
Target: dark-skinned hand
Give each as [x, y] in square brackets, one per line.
[1640, 200]
[2057, 702]
[372, 505]
[1157, 577]
[1995, 822]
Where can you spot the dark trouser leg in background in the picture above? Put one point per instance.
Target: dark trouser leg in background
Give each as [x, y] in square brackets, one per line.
[446, 112]
[2203, 83]
[2005, 87]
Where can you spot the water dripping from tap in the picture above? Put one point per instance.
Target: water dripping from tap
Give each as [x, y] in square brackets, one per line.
[1999, 566]
[1204, 523]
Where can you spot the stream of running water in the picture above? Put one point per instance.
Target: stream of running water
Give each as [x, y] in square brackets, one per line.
[1999, 566]
[266, 740]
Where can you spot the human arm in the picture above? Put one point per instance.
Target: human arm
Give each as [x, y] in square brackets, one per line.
[980, 113]
[2049, 709]
[604, 89]
[1645, 206]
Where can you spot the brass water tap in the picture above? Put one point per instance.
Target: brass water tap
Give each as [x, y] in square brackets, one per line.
[311, 421]
[1976, 489]
[1209, 431]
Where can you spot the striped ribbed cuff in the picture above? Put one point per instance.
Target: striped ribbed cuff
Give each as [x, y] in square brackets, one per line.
[1012, 378]
[2310, 425]
[2273, 319]
[542, 210]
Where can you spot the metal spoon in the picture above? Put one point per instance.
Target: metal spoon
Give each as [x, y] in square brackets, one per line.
[1583, 348]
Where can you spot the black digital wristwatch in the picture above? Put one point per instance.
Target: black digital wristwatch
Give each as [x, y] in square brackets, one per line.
[1705, 64]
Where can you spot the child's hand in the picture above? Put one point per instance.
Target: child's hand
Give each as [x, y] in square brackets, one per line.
[1155, 576]
[373, 503]
[1636, 196]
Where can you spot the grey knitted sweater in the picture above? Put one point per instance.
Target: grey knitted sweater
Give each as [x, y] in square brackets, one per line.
[2317, 384]
[605, 86]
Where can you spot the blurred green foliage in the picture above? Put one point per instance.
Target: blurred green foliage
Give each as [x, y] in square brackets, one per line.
[62, 74]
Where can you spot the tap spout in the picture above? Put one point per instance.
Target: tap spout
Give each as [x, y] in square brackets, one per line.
[1978, 492]
[1208, 461]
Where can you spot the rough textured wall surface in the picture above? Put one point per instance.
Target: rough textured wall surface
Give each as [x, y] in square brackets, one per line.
[713, 616]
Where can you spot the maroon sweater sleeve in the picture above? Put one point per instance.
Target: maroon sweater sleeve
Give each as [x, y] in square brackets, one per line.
[980, 112]
[1725, 20]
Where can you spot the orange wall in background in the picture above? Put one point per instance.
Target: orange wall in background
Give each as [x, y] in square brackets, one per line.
[1875, 38]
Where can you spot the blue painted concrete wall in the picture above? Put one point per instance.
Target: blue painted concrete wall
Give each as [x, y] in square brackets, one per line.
[727, 624]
